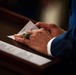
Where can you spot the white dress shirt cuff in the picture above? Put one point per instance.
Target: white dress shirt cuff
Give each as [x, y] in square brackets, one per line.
[49, 47]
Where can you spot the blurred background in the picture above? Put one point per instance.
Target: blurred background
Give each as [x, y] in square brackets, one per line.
[27, 8]
[50, 11]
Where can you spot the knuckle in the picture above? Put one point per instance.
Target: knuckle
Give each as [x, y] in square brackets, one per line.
[53, 25]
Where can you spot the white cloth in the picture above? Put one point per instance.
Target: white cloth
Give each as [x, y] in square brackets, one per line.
[49, 46]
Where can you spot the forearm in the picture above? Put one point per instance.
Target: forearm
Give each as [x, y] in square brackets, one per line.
[64, 45]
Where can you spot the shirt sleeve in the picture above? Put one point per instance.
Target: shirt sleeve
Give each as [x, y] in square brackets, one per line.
[49, 47]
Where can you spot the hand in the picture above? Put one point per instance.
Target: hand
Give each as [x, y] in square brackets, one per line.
[52, 28]
[38, 40]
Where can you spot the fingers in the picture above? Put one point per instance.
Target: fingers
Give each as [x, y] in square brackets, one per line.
[33, 35]
[41, 24]
[20, 39]
[46, 25]
[16, 35]
[29, 32]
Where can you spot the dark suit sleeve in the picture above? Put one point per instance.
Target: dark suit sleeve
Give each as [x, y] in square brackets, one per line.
[65, 44]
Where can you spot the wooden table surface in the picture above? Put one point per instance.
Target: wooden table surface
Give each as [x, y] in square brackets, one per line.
[11, 23]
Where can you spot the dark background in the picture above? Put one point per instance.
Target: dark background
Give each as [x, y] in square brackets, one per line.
[28, 8]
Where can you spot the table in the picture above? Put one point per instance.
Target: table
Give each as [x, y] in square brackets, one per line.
[11, 23]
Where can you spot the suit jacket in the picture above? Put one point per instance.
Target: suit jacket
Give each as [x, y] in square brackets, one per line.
[65, 44]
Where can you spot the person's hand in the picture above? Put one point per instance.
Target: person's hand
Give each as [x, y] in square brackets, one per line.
[52, 28]
[38, 40]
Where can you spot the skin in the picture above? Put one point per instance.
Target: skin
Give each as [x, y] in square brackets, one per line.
[39, 39]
